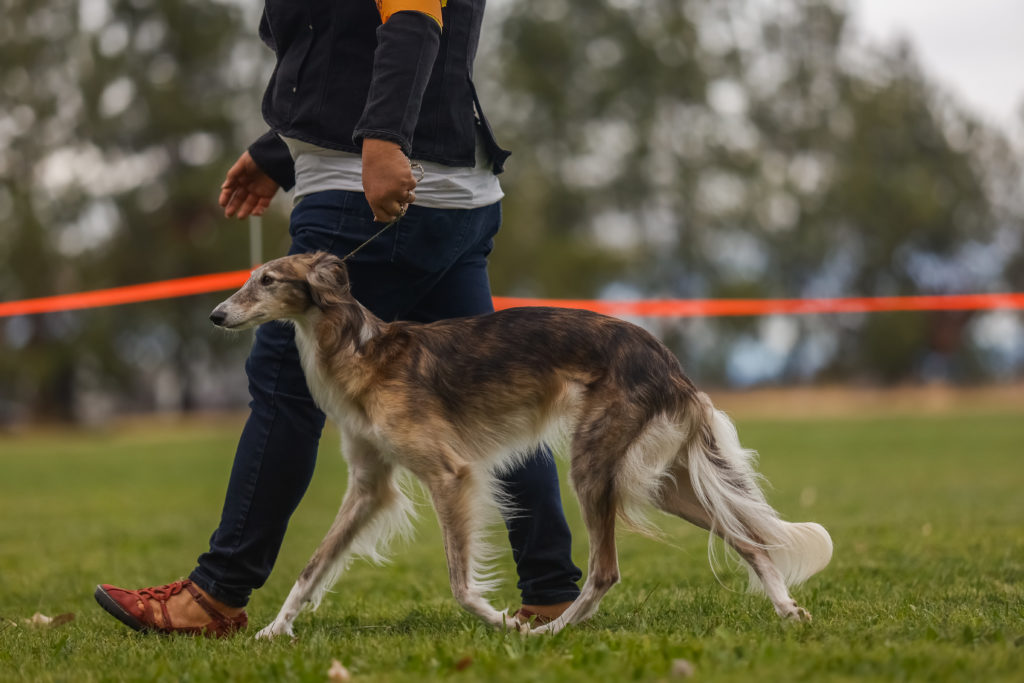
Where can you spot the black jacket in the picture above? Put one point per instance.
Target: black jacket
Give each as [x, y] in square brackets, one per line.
[342, 76]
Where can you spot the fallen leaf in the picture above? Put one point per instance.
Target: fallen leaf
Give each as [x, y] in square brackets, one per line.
[463, 663]
[338, 673]
[62, 619]
[40, 619]
[681, 668]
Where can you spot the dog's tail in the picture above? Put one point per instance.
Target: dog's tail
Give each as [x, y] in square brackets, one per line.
[723, 477]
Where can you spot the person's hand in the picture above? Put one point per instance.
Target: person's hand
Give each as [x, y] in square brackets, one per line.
[247, 190]
[387, 179]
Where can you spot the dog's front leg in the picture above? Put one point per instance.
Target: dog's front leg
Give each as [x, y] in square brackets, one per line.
[460, 498]
[369, 492]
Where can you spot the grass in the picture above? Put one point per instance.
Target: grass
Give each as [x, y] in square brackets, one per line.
[927, 582]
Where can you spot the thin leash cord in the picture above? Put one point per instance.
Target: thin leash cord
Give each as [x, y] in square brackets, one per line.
[380, 232]
[420, 171]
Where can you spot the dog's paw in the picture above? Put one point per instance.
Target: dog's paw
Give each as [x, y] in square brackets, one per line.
[274, 630]
[521, 625]
[550, 628]
[797, 613]
[509, 622]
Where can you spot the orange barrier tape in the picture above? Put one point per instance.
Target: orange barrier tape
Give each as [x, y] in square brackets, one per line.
[167, 289]
[655, 308]
[683, 308]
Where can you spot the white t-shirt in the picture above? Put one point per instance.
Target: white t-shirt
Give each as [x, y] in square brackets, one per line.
[442, 187]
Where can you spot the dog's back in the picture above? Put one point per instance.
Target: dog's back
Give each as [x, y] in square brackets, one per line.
[518, 355]
[508, 380]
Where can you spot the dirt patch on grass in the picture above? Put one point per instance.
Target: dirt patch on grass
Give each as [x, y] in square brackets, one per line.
[770, 403]
[847, 401]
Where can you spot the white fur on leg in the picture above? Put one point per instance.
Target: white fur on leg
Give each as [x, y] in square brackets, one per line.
[276, 628]
[282, 624]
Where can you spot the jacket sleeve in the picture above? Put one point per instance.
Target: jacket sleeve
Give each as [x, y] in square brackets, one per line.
[407, 45]
[272, 156]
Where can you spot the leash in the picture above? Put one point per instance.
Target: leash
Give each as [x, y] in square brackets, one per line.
[378, 234]
[415, 167]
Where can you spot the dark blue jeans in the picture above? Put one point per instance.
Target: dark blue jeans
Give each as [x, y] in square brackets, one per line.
[431, 265]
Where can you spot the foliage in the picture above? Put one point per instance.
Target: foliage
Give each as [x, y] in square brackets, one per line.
[126, 116]
[925, 583]
[738, 146]
[662, 148]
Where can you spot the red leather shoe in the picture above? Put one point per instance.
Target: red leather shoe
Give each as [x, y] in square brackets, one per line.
[137, 610]
[531, 618]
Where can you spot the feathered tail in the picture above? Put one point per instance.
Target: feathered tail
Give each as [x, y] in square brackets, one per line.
[723, 477]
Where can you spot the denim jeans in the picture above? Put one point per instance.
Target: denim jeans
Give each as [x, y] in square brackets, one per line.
[431, 265]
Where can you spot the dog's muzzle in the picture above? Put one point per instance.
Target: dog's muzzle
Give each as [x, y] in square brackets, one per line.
[218, 317]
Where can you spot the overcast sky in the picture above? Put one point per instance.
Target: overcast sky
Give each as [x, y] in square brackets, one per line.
[974, 48]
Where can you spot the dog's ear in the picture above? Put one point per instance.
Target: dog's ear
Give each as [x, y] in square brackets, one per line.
[328, 281]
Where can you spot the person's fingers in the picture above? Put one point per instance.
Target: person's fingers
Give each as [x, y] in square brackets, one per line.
[246, 187]
[241, 203]
[388, 210]
[237, 170]
[235, 203]
[230, 204]
[227, 191]
[261, 205]
[231, 187]
[383, 216]
[250, 203]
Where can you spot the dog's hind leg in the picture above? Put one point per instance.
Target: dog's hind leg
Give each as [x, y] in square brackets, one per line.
[371, 491]
[602, 567]
[593, 478]
[677, 497]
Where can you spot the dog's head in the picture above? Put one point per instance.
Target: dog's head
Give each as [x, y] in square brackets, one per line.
[286, 288]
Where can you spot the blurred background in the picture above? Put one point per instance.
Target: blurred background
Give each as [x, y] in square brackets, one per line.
[661, 149]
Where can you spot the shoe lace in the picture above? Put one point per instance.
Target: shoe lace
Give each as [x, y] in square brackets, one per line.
[162, 592]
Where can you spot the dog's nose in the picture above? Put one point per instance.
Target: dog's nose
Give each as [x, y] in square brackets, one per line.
[218, 317]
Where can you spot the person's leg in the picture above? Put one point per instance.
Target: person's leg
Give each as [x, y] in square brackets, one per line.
[276, 453]
[277, 450]
[273, 466]
[538, 533]
[274, 460]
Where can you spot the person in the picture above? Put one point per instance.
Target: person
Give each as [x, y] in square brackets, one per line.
[350, 102]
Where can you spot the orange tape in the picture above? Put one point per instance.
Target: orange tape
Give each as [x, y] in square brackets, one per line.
[684, 308]
[651, 308]
[167, 289]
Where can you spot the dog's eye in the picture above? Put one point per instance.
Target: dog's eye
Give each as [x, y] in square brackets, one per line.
[266, 280]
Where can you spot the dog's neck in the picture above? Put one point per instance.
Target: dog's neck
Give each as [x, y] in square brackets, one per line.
[331, 341]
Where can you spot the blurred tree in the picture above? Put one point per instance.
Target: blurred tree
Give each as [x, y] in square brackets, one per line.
[123, 116]
[737, 148]
[661, 148]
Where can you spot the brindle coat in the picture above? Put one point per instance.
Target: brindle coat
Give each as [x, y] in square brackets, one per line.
[456, 400]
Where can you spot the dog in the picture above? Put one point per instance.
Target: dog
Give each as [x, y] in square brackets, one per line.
[455, 401]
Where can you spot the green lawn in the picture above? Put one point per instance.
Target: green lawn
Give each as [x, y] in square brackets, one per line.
[927, 582]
